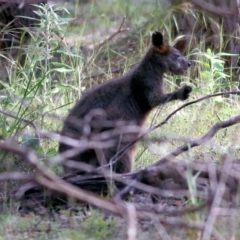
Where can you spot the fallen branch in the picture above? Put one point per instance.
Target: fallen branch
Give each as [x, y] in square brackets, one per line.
[151, 176]
[150, 180]
[50, 181]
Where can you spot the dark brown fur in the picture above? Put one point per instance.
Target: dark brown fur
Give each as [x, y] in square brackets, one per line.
[129, 98]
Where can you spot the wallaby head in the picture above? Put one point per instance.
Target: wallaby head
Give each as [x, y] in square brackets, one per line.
[169, 58]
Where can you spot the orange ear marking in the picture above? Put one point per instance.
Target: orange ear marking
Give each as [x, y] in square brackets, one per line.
[164, 49]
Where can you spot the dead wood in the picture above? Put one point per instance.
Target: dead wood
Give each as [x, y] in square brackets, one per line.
[58, 187]
[153, 179]
[166, 178]
[163, 179]
[48, 190]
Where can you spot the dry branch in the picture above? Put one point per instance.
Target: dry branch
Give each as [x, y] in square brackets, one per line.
[147, 180]
[194, 143]
[153, 175]
[122, 151]
[47, 179]
[101, 44]
[51, 189]
[217, 199]
[15, 176]
[28, 122]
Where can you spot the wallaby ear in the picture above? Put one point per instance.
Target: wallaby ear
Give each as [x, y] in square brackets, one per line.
[157, 39]
[157, 42]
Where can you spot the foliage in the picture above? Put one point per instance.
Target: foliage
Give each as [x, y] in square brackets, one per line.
[212, 71]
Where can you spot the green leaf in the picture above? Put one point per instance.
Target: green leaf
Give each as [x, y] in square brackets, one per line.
[226, 54]
[45, 109]
[61, 65]
[5, 85]
[218, 66]
[30, 141]
[52, 152]
[66, 86]
[62, 70]
[54, 90]
[209, 51]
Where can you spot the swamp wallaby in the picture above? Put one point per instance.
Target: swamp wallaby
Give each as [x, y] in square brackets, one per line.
[129, 98]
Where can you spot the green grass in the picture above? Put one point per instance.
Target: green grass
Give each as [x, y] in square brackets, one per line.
[51, 79]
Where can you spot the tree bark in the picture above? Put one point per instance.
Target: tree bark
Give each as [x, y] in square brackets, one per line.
[213, 23]
[12, 25]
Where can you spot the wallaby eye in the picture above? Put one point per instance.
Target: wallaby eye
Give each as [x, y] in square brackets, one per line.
[176, 55]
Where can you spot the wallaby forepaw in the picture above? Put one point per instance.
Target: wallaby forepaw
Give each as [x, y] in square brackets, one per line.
[185, 92]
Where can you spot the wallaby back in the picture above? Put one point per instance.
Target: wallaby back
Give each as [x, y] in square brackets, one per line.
[129, 98]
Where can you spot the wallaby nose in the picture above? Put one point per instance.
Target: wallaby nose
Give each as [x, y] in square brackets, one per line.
[189, 64]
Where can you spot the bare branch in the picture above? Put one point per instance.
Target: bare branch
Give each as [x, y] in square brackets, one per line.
[132, 221]
[122, 151]
[194, 143]
[49, 180]
[28, 122]
[101, 44]
[176, 212]
[191, 103]
[176, 222]
[15, 176]
[217, 200]
[120, 30]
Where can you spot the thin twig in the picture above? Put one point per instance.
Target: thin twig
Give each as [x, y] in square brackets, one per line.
[191, 103]
[194, 143]
[49, 180]
[15, 176]
[176, 212]
[122, 151]
[112, 71]
[101, 44]
[217, 199]
[132, 221]
[28, 122]
[160, 229]
[176, 222]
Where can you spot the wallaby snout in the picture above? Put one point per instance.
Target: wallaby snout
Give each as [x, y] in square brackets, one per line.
[185, 63]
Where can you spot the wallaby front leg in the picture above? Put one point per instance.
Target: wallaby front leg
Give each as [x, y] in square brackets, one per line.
[181, 94]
